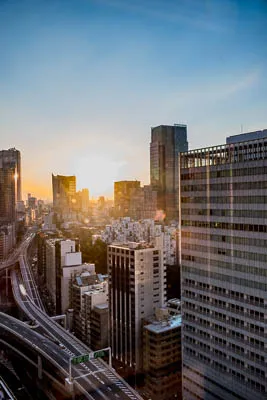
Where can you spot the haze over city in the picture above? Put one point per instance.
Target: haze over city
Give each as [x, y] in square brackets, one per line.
[83, 82]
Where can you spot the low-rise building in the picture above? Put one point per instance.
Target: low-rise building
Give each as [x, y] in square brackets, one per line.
[89, 301]
[162, 356]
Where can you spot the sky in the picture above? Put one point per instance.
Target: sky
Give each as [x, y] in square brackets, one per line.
[83, 81]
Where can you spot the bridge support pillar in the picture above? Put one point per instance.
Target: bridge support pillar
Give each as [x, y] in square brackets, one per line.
[40, 369]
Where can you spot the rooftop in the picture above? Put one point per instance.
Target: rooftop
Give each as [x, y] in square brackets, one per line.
[102, 306]
[133, 245]
[164, 326]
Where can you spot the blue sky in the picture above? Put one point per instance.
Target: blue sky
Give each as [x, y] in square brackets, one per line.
[83, 81]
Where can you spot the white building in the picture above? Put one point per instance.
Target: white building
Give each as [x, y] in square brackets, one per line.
[62, 262]
[88, 290]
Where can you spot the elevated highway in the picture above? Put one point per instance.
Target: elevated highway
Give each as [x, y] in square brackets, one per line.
[94, 378]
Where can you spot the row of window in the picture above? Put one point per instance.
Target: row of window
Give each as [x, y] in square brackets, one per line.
[222, 173]
[247, 255]
[250, 382]
[218, 353]
[217, 328]
[225, 225]
[225, 213]
[223, 292]
[232, 347]
[200, 262]
[224, 186]
[230, 320]
[245, 241]
[249, 198]
[218, 365]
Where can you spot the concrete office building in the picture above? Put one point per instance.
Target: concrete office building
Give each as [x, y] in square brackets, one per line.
[11, 159]
[224, 270]
[166, 144]
[136, 287]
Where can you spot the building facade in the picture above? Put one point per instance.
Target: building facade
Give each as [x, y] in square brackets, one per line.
[224, 270]
[143, 203]
[162, 356]
[122, 194]
[64, 192]
[136, 287]
[166, 144]
[7, 210]
[11, 159]
[89, 301]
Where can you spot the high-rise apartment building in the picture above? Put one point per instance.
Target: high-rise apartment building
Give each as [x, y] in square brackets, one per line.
[166, 144]
[64, 192]
[11, 159]
[224, 269]
[136, 287]
[122, 193]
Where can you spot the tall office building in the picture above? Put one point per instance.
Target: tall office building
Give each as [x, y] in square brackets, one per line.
[143, 203]
[136, 287]
[7, 195]
[64, 192]
[166, 144]
[11, 159]
[224, 270]
[122, 194]
[7, 210]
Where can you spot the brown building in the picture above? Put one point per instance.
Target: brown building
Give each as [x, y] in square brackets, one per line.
[11, 159]
[143, 203]
[162, 356]
[122, 194]
[64, 192]
[99, 326]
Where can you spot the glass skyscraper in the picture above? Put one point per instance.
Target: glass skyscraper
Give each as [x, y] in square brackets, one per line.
[166, 144]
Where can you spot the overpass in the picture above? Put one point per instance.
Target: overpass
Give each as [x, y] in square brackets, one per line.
[94, 378]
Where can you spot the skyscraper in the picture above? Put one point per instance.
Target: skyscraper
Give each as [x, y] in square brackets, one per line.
[224, 274]
[122, 193]
[166, 144]
[64, 191]
[11, 159]
[136, 287]
[7, 210]
[7, 195]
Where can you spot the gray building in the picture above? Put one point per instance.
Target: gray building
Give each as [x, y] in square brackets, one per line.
[166, 144]
[223, 209]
